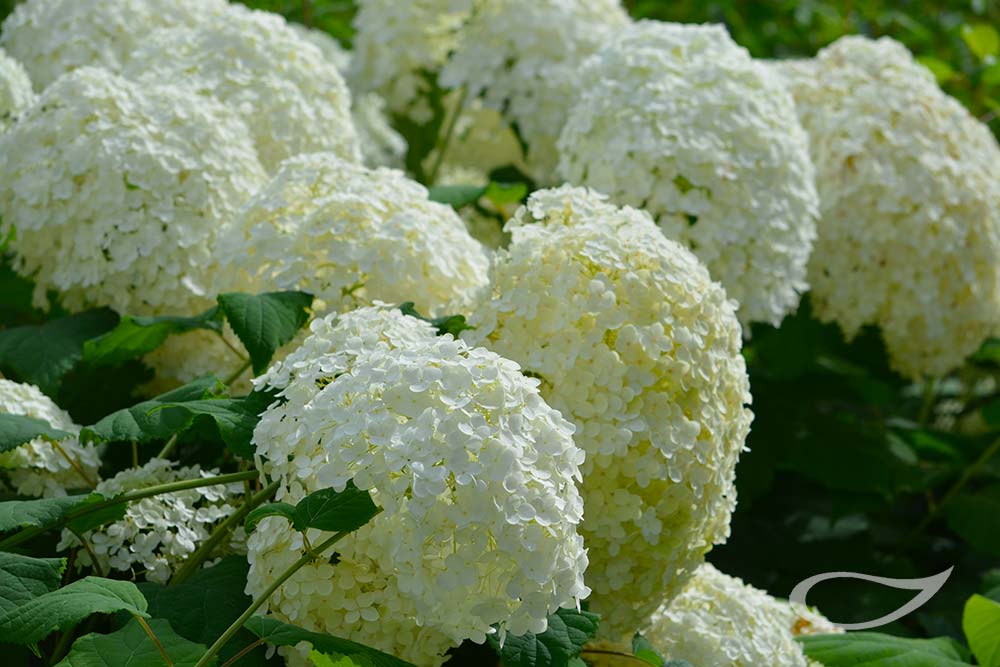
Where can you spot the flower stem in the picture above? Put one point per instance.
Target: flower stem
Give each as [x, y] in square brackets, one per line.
[446, 140]
[168, 448]
[238, 372]
[74, 464]
[156, 641]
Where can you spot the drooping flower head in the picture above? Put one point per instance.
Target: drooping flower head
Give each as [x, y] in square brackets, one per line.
[634, 343]
[15, 90]
[679, 120]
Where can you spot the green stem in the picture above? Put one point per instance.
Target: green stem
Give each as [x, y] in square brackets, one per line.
[156, 641]
[443, 148]
[74, 464]
[90, 552]
[148, 492]
[245, 616]
[238, 372]
[168, 448]
[220, 533]
[246, 649]
[927, 406]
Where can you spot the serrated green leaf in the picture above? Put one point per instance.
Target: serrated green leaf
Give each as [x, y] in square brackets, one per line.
[137, 336]
[282, 634]
[16, 430]
[131, 645]
[872, 649]
[981, 624]
[335, 511]
[62, 609]
[456, 196]
[642, 649]
[974, 517]
[446, 324]
[265, 322]
[43, 512]
[982, 39]
[568, 631]
[258, 514]
[235, 418]
[24, 578]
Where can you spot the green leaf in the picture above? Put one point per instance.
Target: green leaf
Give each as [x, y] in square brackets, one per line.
[642, 649]
[941, 70]
[871, 649]
[131, 645]
[23, 578]
[568, 631]
[335, 511]
[235, 418]
[283, 634]
[258, 514]
[982, 39]
[62, 609]
[330, 660]
[16, 430]
[456, 196]
[42, 355]
[981, 623]
[991, 585]
[974, 517]
[40, 513]
[136, 336]
[265, 322]
[446, 324]
[506, 193]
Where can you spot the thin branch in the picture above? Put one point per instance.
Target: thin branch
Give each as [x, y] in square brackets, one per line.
[74, 464]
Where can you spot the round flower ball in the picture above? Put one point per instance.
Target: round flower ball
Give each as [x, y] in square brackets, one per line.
[157, 534]
[52, 37]
[351, 235]
[42, 467]
[679, 120]
[15, 90]
[633, 342]
[117, 192]
[475, 476]
[718, 621]
[522, 58]
[909, 186]
[290, 96]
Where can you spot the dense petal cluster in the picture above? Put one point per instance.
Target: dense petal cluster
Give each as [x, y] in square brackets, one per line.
[351, 235]
[909, 186]
[39, 467]
[718, 621]
[632, 341]
[52, 37]
[158, 533]
[475, 474]
[679, 120]
[16, 94]
[522, 57]
[291, 97]
[118, 191]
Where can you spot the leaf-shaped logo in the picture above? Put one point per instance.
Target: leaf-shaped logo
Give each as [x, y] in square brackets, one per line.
[928, 587]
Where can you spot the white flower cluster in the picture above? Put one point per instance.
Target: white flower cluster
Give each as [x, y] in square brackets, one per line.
[909, 185]
[16, 94]
[39, 467]
[475, 474]
[158, 533]
[350, 235]
[718, 621]
[118, 191]
[679, 120]
[52, 37]
[522, 57]
[632, 341]
[290, 96]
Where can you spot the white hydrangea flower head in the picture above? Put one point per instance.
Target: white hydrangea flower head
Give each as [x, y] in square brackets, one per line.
[118, 192]
[157, 534]
[330, 47]
[679, 120]
[522, 57]
[634, 343]
[290, 96]
[16, 94]
[718, 621]
[351, 235]
[475, 474]
[41, 468]
[909, 186]
[52, 37]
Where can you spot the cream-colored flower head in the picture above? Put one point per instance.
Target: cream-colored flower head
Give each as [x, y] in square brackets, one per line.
[909, 186]
[718, 621]
[118, 192]
[634, 343]
[15, 90]
[475, 475]
[40, 468]
[52, 37]
[290, 96]
[679, 120]
[351, 235]
[522, 57]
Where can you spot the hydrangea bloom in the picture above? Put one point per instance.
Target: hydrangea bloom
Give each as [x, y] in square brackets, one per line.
[475, 475]
[909, 186]
[157, 534]
[52, 37]
[632, 341]
[39, 467]
[522, 57]
[679, 120]
[351, 235]
[118, 191]
[15, 90]
[292, 98]
[718, 621]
